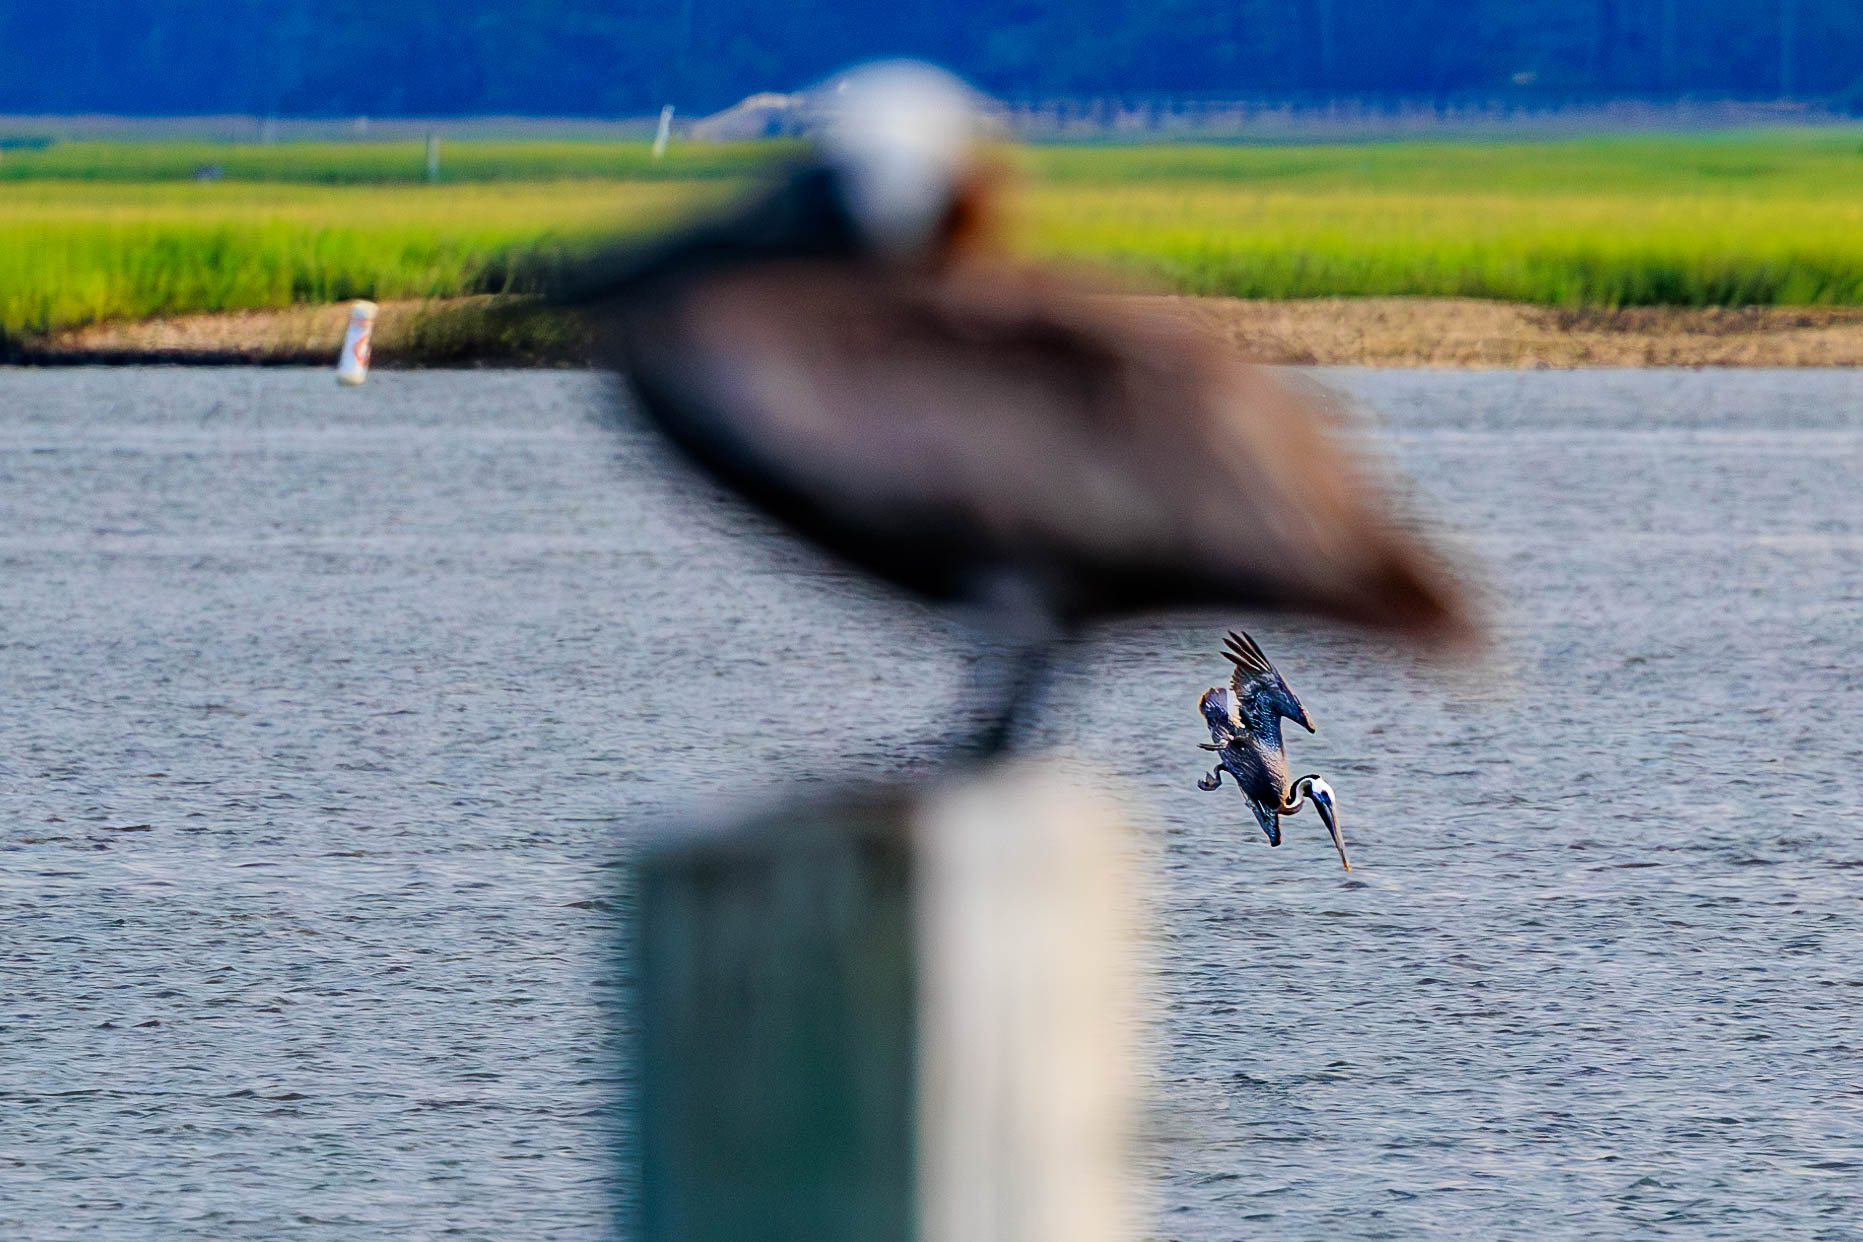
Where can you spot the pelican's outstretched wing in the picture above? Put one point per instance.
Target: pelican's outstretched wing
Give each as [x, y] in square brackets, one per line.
[1253, 675]
[1251, 665]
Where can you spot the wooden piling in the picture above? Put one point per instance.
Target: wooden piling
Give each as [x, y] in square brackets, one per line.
[893, 1017]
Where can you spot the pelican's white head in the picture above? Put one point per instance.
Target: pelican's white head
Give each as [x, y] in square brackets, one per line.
[1322, 795]
[900, 133]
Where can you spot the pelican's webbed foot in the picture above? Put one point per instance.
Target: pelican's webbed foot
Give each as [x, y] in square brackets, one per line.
[1211, 781]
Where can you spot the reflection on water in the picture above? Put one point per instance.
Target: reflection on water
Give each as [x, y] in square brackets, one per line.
[327, 711]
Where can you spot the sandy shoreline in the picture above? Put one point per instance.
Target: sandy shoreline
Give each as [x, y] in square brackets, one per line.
[1387, 332]
[443, 333]
[1468, 334]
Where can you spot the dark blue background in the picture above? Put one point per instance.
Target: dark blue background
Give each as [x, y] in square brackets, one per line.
[609, 57]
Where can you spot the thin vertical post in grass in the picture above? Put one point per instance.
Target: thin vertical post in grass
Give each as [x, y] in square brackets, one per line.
[664, 133]
[433, 156]
[887, 1017]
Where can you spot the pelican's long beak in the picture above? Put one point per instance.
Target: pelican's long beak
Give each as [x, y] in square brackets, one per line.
[1322, 796]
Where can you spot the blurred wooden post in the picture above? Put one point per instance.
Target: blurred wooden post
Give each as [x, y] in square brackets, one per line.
[433, 156]
[880, 1019]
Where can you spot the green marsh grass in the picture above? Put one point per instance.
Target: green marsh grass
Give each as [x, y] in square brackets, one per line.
[1592, 249]
[108, 231]
[377, 163]
[1738, 219]
[76, 253]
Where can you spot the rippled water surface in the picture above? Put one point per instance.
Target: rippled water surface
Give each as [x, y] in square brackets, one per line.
[326, 714]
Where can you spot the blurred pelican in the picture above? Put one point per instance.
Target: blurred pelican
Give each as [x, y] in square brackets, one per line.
[847, 351]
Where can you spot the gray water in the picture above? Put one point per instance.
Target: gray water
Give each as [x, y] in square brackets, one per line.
[327, 713]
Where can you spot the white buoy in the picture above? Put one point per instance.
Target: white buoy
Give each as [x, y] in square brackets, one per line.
[665, 131]
[352, 365]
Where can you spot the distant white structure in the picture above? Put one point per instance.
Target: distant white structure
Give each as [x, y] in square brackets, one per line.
[763, 115]
[867, 98]
[352, 365]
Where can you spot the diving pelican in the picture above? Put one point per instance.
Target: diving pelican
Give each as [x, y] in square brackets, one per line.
[1245, 732]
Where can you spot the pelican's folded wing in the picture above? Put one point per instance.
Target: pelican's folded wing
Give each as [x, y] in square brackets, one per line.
[1269, 818]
